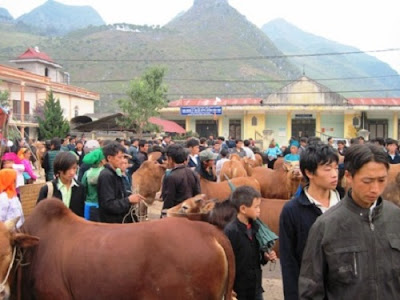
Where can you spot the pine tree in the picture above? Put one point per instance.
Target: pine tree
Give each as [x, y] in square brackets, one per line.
[53, 124]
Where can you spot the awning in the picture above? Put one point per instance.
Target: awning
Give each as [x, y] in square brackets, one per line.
[167, 126]
[109, 123]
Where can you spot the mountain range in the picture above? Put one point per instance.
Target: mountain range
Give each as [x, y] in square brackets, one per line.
[211, 50]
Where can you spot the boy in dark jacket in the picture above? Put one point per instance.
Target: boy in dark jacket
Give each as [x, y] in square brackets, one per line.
[319, 165]
[114, 201]
[242, 234]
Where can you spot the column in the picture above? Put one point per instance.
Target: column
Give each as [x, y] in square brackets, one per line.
[396, 125]
[22, 103]
[318, 124]
[187, 124]
[288, 125]
[220, 125]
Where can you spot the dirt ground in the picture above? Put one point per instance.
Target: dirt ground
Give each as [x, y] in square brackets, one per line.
[272, 280]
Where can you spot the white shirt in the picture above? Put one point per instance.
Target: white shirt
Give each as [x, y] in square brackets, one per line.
[219, 165]
[334, 199]
[194, 158]
[10, 209]
[249, 153]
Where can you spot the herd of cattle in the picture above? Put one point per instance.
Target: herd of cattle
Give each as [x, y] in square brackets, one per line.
[61, 256]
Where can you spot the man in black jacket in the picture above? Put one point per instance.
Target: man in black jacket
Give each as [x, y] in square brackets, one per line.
[181, 183]
[114, 203]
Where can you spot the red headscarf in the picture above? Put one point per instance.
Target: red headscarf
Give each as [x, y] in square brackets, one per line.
[7, 182]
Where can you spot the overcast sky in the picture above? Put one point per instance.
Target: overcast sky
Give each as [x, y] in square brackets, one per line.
[366, 25]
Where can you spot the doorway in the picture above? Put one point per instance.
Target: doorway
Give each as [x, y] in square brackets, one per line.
[303, 127]
[235, 129]
[205, 128]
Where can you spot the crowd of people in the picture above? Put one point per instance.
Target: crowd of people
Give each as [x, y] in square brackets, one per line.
[328, 246]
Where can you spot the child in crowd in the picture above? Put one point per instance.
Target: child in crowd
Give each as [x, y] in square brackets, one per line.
[224, 157]
[242, 234]
[10, 206]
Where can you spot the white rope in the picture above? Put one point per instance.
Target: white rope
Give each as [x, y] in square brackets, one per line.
[3, 284]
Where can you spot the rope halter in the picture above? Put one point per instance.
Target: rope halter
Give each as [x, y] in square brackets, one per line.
[3, 284]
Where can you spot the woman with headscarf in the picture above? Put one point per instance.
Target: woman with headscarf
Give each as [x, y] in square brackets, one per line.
[89, 180]
[10, 206]
[12, 161]
[24, 154]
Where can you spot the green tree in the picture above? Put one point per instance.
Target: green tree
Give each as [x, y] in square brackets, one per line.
[53, 123]
[145, 97]
[4, 98]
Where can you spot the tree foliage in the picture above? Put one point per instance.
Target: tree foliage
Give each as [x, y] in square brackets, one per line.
[4, 98]
[53, 123]
[145, 97]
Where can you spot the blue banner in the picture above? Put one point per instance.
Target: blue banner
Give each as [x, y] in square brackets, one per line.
[201, 110]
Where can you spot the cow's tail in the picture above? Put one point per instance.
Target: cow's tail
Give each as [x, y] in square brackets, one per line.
[230, 257]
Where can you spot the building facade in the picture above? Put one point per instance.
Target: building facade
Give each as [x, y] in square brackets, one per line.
[302, 108]
[28, 87]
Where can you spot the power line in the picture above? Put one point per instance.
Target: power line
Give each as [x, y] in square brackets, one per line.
[265, 93]
[227, 58]
[239, 80]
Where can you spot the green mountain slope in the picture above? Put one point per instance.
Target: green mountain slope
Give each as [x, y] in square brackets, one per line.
[54, 18]
[105, 58]
[291, 40]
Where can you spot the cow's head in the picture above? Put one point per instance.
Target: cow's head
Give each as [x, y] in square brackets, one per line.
[8, 241]
[293, 169]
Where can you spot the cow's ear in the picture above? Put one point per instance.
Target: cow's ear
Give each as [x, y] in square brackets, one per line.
[286, 166]
[25, 240]
[200, 198]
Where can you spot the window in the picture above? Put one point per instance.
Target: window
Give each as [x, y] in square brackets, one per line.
[46, 72]
[254, 121]
[76, 111]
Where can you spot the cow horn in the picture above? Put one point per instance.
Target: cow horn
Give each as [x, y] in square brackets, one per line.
[10, 224]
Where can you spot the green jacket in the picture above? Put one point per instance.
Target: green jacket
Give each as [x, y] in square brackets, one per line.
[89, 181]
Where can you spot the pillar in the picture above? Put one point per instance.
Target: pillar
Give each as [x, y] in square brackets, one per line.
[396, 125]
[22, 103]
[318, 124]
[220, 125]
[187, 124]
[288, 125]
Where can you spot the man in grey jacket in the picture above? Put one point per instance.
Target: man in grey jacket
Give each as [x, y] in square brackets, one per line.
[353, 250]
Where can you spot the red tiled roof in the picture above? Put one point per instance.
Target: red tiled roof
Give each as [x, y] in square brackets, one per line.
[31, 53]
[375, 101]
[215, 102]
[167, 126]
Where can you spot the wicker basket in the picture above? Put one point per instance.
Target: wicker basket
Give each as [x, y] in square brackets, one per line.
[29, 194]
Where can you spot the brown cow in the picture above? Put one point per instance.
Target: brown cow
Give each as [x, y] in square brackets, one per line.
[221, 190]
[220, 214]
[278, 184]
[9, 241]
[171, 258]
[270, 212]
[232, 169]
[198, 208]
[392, 191]
[146, 181]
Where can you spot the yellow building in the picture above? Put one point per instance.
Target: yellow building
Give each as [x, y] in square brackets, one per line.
[302, 108]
